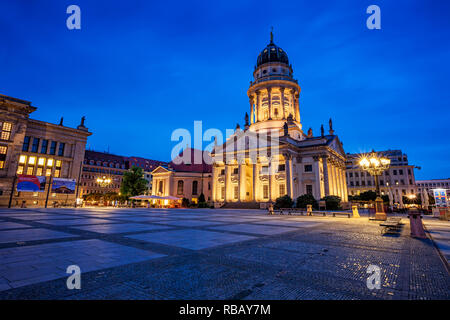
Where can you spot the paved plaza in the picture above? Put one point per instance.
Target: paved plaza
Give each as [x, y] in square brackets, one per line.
[214, 254]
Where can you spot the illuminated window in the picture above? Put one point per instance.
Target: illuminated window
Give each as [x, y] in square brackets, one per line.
[266, 191]
[39, 171]
[50, 163]
[282, 190]
[32, 160]
[58, 163]
[20, 170]
[6, 131]
[22, 159]
[48, 172]
[30, 170]
[41, 162]
[222, 192]
[3, 151]
[236, 192]
[57, 173]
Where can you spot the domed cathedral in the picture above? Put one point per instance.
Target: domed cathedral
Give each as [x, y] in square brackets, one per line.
[272, 156]
[274, 93]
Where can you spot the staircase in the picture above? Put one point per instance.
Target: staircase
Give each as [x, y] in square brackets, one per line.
[240, 205]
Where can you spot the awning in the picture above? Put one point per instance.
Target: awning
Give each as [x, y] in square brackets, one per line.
[144, 197]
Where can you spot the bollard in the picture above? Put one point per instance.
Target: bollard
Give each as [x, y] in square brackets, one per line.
[355, 212]
[309, 209]
[415, 222]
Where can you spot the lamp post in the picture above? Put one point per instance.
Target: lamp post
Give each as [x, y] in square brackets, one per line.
[103, 181]
[376, 165]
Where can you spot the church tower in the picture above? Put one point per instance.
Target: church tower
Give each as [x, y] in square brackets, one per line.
[274, 93]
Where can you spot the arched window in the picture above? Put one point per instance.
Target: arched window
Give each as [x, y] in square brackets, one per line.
[194, 188]
[180, 187]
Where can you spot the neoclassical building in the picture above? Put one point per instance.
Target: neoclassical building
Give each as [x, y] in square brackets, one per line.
[272, 156]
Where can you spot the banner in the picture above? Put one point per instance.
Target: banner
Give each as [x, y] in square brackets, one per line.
[27, 183]
[61, 185]
[440, 197]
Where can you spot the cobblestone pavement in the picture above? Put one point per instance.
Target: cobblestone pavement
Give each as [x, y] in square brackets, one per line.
[210, 254]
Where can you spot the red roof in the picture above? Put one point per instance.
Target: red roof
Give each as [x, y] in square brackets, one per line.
[196, 161]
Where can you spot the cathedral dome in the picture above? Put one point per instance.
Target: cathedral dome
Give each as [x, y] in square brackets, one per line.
[272, 53]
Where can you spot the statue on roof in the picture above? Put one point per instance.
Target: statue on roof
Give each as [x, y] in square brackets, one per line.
[330, 123]
[61, 121]
[321, 131]
[310, 133]
[286, 129]
[246, 119]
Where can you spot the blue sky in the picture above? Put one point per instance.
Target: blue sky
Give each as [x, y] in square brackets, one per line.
[140, 69]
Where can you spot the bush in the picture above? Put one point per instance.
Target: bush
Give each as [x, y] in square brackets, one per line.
[332, 202]
[284, 202]
[306, 199]
[203, 205]
[185, 202]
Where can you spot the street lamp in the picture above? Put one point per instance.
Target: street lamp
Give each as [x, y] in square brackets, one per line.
[376, 165]
[103, 181]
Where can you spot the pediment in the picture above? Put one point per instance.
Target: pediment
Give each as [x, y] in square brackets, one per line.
[160, 169]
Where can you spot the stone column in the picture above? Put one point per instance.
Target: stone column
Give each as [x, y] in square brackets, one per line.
[255, 181]
[271, 182]
[331, 179]
[297, 106]
[252, 111]
[282, 103]
[258, 105]
[227, 181]
[269, 95]
[325, 176]
[214, 185]
[289, 182]
[242, 182]
[336, 180]
[292, 108]
[317, 185]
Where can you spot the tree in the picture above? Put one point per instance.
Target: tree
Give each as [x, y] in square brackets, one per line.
[202, 202]
[368, 195]
[306, 199]
[385, 198]
[133, 182]
[185, 203]
[332, 202]
[284, 202]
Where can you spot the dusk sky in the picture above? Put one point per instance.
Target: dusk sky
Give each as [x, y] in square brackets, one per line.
[140, 69]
